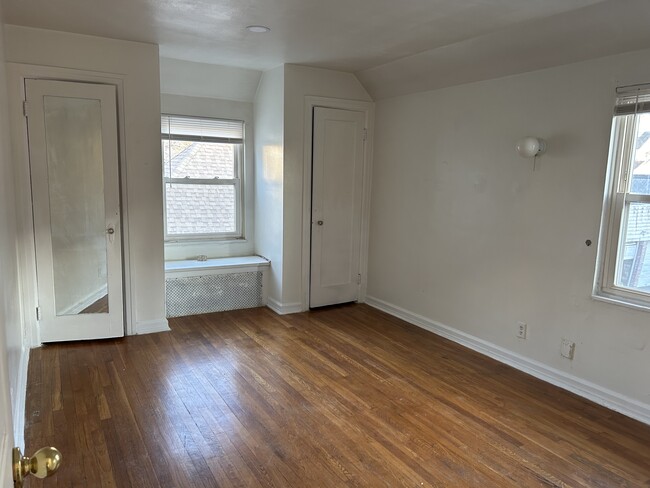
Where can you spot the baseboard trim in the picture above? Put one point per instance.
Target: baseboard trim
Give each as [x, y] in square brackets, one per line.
[283, 308]
[151, 326]
[20, 400]
[586, 389]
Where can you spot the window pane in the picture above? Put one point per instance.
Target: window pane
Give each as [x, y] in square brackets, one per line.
[634, 263]
[641, 164]
[205, 160]
[200, 209]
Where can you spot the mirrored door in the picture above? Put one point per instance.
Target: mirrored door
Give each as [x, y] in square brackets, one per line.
[73, 149]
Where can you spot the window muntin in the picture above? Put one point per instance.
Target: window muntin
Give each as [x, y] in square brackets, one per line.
[624, 269]
[202, 168]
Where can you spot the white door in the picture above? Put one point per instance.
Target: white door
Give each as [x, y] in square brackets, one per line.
[337, 183]
[6, 429]
[73, 151]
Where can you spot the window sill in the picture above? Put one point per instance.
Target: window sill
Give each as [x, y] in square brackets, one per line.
[620, 301]
[192, 267]
[204, 240]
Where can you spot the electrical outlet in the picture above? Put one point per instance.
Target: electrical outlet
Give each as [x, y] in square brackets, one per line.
[522, 328]
[568, 348]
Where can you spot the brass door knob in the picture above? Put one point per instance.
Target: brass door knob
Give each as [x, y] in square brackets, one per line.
[42, 464]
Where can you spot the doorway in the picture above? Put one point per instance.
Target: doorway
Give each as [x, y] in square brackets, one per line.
[74, 169]
[337, 184]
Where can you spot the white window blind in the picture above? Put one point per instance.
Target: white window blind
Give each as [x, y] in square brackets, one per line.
[184, 128]
[632, 102]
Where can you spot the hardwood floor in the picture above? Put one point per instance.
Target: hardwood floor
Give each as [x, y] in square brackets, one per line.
[344, 396]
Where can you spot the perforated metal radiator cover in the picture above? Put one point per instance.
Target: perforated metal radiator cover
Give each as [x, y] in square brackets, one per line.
[213, 293]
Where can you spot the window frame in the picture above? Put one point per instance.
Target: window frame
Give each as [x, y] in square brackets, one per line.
[616, 203]
[236, 182]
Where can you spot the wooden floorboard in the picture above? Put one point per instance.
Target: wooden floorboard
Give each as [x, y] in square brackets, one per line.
[340, 397]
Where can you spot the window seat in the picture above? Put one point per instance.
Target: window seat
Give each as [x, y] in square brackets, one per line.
[192, 267]
[215, 285]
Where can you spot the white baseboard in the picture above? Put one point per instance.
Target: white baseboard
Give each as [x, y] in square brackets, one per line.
[20, 399]
[283, 308]
[586, 389]
[151, 326]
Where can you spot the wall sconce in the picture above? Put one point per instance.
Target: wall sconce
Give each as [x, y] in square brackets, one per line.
[530, 147]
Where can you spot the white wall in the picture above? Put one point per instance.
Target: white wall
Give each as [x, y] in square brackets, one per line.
[465, 233]
[208, 80]
[12, 336]
[269, 171]
[302, 81]
[137, 65]
[227, 109]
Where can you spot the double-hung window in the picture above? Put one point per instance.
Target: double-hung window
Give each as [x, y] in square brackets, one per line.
[624, 249]
[202, 168]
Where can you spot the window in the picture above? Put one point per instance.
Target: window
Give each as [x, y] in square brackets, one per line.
[202, 168]
[624, 249]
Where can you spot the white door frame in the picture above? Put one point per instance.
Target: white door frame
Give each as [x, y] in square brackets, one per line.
[17, 73]
[368, 109]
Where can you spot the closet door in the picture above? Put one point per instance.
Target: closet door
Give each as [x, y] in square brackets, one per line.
[337, 183]
[73, 151]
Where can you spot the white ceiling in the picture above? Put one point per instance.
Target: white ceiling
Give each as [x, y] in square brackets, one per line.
[389, 43]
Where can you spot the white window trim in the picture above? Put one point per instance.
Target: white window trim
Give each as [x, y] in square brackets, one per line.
[615, 204]
[237, 182]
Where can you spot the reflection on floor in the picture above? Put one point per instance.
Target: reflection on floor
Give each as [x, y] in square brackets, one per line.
[100, 306]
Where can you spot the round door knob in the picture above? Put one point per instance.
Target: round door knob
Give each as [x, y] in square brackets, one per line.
[45, 462]
[320, 222]
[110, 230]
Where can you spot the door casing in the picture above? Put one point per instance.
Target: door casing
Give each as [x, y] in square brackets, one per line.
[368, 108]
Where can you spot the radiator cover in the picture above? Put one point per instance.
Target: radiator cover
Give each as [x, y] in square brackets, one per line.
[194, 295]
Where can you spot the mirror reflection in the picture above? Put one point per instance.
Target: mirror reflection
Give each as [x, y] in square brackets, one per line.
[76, 190]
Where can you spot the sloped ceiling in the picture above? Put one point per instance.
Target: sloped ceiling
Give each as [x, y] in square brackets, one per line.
[607, 28]
[395, 47]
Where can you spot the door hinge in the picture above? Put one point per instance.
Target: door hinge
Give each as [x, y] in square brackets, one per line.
[25, 108]
[359, 279]
[365, 134]
[38, 313]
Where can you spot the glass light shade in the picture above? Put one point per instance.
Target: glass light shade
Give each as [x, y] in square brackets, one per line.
[529, 147]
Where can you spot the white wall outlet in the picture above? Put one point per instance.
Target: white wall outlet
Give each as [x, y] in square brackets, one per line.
[568, 348]
[522, 328]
